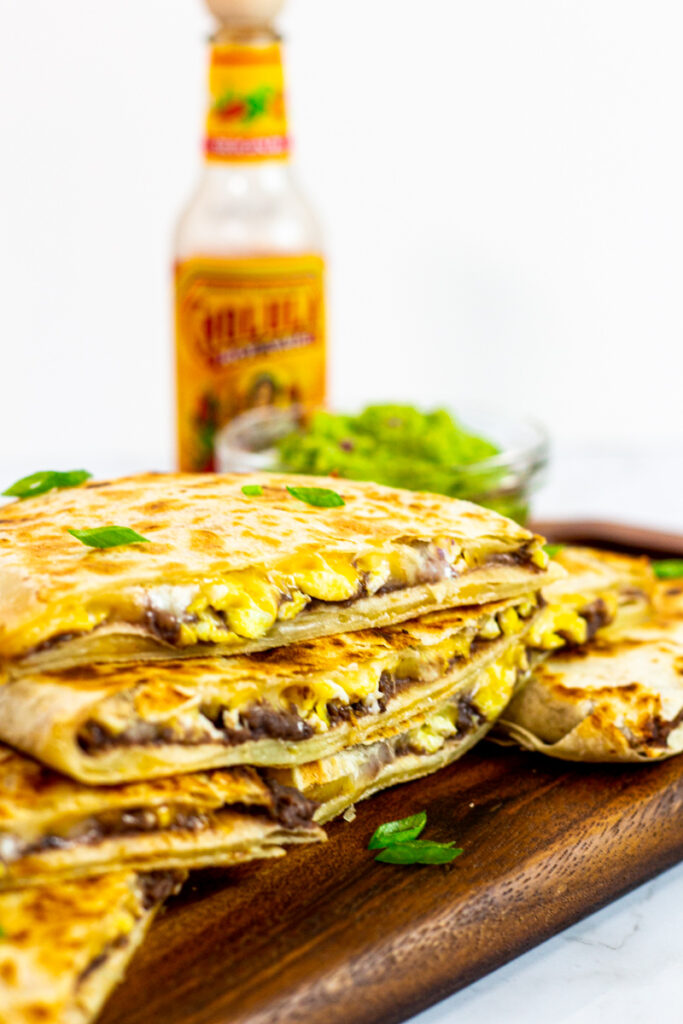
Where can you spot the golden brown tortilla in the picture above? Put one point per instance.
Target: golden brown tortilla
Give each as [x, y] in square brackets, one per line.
[52, 828]
[618, 698]
[227, 573]
[64, 947]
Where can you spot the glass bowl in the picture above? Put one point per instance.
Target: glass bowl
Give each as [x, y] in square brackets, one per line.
[503, 482]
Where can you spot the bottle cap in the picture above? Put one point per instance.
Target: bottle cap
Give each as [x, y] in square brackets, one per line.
[245, 12]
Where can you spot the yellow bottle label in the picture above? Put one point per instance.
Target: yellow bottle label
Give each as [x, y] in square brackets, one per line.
[246, 118]
[249, 333]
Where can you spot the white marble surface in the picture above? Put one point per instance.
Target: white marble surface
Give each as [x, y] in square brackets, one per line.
[622, 965]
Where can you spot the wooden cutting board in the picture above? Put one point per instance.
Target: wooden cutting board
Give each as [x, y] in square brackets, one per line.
[327, 936]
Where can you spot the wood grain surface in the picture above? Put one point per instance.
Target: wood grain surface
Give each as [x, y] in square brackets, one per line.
[635, 540]
[328, 936]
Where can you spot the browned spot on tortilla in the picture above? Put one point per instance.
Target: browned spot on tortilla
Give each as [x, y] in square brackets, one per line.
[205, 540]
[557, 682]
[549, 678]
[599, 692]
[39, 1012]
[153, 508]
[8, 972]
[76, 674]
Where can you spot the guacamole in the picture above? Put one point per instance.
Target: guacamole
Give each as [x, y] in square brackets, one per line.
[400, 446]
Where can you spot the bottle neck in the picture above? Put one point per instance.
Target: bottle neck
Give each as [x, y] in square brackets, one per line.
[246, 119]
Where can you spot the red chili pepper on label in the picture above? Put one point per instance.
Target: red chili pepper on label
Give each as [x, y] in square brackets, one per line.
[233, 110]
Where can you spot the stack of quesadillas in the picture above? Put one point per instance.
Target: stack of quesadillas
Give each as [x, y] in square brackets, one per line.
[255, 625]
[268, 651]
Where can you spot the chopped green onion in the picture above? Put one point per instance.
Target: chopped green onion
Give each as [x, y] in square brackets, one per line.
[668, 569]
[419, 851]
[552, 550]
[400, 831]
[108, 536]
[321, 497]
[44, 481]
[252, 490]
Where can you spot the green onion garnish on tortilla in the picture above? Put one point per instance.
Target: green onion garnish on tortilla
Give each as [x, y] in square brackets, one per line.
[108, 536]
[45, 480]
[321, 497]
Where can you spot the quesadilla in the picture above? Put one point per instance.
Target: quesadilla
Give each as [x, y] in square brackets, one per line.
[65, 947]
[108, 723]
[52, 828]
[436, 735]
[617, 698]
[215, 570]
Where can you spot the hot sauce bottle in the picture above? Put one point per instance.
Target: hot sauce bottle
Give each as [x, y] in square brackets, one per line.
[249, 297]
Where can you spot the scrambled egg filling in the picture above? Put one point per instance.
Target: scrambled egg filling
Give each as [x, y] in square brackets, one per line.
[562, 623]
[494, 689]
[247, 603]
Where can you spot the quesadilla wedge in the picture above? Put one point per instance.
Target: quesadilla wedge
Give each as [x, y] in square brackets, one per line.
[617, 698]
[52, 828]
[64, 947]
[215, 570]
[109, 723]
[438, 734]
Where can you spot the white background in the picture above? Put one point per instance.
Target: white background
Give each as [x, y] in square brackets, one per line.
[500, 181]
